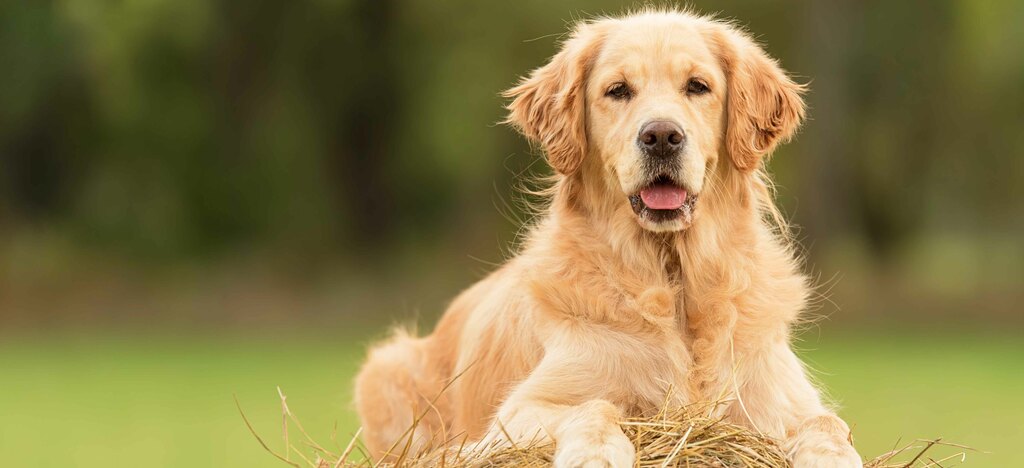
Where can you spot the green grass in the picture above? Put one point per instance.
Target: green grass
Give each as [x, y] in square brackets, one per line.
[964, 388]
[167, 401]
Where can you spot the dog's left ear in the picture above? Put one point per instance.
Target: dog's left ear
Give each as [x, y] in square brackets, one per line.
[765, 106]
[549, 105]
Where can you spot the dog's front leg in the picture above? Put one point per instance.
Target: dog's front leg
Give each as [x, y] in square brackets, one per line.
[778, 399]
[558, 401]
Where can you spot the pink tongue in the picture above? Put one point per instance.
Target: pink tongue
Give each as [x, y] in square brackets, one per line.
[663, 197]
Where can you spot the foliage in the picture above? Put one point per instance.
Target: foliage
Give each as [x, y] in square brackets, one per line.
[190, 127]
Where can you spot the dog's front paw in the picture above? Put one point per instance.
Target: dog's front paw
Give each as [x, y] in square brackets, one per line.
[842, 456]
[609, 451]
[823, 441]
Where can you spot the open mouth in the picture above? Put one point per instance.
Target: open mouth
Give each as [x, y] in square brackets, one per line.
[663, 200]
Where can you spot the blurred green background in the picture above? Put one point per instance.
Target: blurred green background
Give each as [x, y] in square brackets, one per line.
[201, 199]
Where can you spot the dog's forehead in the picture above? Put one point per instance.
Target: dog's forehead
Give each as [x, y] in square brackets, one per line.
[651, 46]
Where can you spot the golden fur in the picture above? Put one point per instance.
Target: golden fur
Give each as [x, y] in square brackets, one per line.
[603, 313]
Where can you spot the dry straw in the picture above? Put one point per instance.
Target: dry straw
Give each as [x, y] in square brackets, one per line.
[683, 437]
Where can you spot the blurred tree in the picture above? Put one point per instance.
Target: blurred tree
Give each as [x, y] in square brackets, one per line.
[42, 103]
[901, 88]
[828, 157]
[366, 130]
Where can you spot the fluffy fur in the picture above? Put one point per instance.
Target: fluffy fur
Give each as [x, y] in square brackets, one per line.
[603, 313]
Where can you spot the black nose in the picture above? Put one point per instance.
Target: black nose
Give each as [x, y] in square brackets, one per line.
[661, 138]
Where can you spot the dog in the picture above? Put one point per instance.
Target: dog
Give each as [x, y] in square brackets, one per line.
[660, 272]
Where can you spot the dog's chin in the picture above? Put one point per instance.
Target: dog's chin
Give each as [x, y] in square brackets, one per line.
[663, 206]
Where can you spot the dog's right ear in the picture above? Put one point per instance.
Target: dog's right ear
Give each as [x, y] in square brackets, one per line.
[549, 105]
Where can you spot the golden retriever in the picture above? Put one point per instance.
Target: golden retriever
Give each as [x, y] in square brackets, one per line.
[660, 273]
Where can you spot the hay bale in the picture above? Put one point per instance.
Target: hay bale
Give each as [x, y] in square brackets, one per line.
[682, 437]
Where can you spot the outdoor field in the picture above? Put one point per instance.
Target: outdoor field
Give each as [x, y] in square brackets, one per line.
[208, 200]
[168, 401]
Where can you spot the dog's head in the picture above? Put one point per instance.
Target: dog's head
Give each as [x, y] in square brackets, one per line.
[649, 105]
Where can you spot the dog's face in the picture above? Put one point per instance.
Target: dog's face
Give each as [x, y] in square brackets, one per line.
[655, 102]
[644, 106]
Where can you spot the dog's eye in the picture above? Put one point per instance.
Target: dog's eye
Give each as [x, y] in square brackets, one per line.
[696, 86]
[619, 92]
